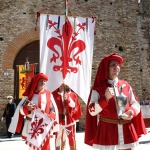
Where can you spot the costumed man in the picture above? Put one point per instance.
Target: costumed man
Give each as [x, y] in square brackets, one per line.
[107, 126]
[69, 113]
[8, 114]
[35, 96]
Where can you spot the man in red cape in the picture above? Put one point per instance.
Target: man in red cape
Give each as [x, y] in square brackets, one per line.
[106, 128]
[69, 112]
[34, 96]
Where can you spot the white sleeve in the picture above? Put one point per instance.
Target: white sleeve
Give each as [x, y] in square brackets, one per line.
[94, 107]
[71, 103]
[94, 96]
[56, 127]
[133, 101]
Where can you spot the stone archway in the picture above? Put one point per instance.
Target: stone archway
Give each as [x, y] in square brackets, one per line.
[16, 45]
[13, 49]
[30, 52]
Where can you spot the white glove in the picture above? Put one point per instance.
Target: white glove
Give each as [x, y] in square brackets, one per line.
[2, 119]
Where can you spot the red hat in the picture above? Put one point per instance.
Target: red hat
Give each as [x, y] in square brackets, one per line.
[102, 73]
[31, 88]
[115, 57]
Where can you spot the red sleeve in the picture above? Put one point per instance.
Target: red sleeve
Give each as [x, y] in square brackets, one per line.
[25, 110]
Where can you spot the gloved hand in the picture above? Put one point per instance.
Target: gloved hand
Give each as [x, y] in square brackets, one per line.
[2, 119]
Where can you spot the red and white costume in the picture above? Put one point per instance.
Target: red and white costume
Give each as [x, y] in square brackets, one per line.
[43, 100]
[72, 110]
[104, 135]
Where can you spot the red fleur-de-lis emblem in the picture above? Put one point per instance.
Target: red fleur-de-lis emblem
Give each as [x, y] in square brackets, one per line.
[69, 47]
[92, 107]
[37, 127]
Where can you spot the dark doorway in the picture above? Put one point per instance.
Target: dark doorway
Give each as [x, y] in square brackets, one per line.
[30, 52]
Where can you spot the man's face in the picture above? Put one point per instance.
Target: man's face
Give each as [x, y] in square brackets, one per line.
[9, 100]
[67, 88]
[41, 84]
[64, 87]
[61, 88]
[113, 69]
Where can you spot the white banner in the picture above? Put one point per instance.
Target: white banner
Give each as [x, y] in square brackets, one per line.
[66, 52]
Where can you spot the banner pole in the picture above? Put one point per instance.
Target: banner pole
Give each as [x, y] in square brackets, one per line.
[66, 9]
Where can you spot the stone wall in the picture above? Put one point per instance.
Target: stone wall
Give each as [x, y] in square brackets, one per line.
[122, 26]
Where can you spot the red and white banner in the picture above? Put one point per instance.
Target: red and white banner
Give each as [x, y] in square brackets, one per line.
[66, 52]
[39, 130]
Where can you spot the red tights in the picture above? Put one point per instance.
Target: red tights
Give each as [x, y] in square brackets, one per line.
[71, 136]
